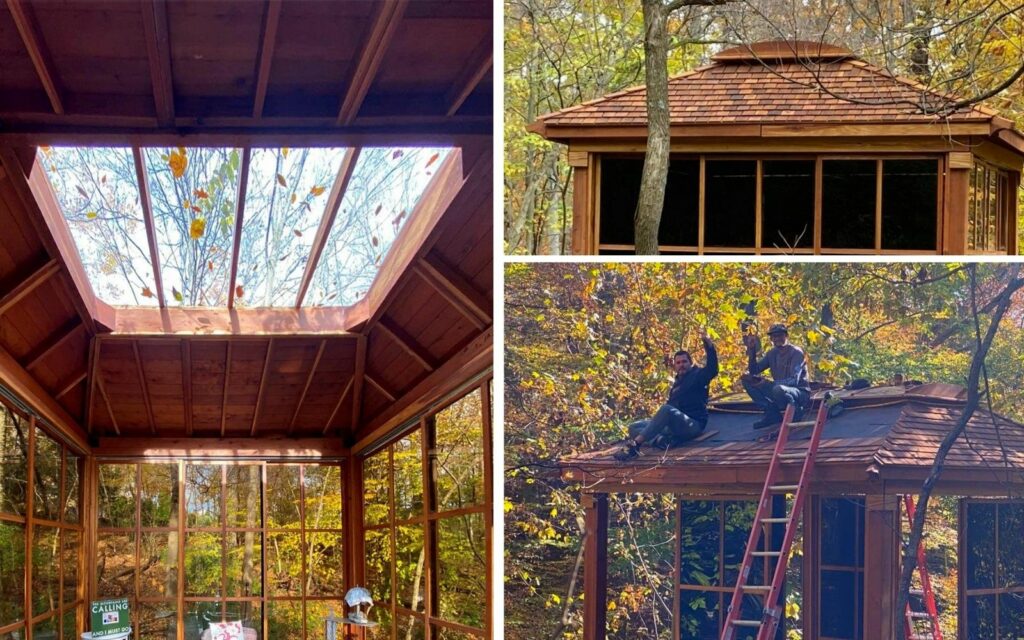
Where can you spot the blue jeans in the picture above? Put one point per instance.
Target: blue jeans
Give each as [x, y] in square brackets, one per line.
[773, 398]
[669, 420]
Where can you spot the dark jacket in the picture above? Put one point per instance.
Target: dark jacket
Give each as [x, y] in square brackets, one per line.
[689, 392]
[787, 365]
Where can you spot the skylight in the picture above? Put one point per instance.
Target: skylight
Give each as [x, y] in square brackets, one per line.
[193, 199]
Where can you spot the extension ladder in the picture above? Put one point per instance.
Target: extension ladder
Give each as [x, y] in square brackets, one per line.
[931, 614]
[772, 611]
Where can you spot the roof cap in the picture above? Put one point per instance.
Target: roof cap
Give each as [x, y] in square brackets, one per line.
[784, 50]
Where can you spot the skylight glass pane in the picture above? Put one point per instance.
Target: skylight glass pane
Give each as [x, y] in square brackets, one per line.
[98, 193]
[385, 187]
[285, 201]
[193, 193]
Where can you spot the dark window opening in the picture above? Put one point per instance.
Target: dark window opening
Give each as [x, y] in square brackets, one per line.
[848, 204]
[620, 191]
[730, 196]
[909, 204]
[993, 562]
[841, 576]
[787, 204]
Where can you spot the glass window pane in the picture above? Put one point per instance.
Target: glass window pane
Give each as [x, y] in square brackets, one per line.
[243, 496]
[620, 191]
[738, 519]
[71, 551]
[72, 489]
[838, 604]
[284, 620]
[202, 495]
[156, 620]
[1011, 558]
[909, 200]
[46, 494]
[115, 565]
[244, 564]
[287, 195]
[323, 496]
[325, 564]
[447, 633]
[458, 455]
[12, 572]
[377, 546]
[980, 549]
[981, 617]
[98, 193]
[409, 566]
[13, 461]
[283, 496]
[248, 612]
[158, 565]
[158, 495]
[376, 488]
[787, 204]
[462, 569]
[198, 616]
[316, 617]
[841, 538]
[70, 628]
[193, 193]
[1011, 614]
[700, 539]
[848, 204]
[408, 461]
[45, 629]
[729, 203]
[117, 495]
[384, 189]
[45, 569]
[410, 628]
[681, 212]
[698, 614]
[284, 564]
[203, 551]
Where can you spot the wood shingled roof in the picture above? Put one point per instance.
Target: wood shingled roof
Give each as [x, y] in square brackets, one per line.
[773, 83]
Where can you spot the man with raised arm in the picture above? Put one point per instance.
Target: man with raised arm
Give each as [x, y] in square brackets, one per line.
[789, 384]
[685, 414]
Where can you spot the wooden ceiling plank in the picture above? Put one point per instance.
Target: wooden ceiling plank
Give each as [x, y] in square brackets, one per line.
[263, 386]
[106, 401]
[357, 386]
[454, 288]
[338, 189]
[371, 55]
[406, 342]
[337, 405]
[186, 383]
[379, 387]
[243, 185]
[305, 388]
[23, 385]
[32, 38]
[145, 387]
[271, 19]
[478, 64]
[147, 217]
[28, 285]
[224, 400]
[52, 343]
[158, 50]
[75, 380]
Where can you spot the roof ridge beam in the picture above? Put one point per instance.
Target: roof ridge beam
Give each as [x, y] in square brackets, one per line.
[376, 44]
[158, 50]
[36, 48]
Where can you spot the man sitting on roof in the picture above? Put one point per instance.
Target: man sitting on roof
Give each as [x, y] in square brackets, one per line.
[685, 414]
[789, 377]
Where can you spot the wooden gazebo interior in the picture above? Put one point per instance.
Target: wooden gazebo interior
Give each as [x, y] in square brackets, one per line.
[338, 394]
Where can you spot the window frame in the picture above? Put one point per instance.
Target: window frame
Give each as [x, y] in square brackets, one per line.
[1004, 198]
[963, 592]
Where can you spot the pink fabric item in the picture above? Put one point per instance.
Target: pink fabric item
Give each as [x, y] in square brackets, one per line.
[226, 631]
[250, 634]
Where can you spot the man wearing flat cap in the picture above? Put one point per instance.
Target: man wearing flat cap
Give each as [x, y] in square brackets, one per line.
[789, 384]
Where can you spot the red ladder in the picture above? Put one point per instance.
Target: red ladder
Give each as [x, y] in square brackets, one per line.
[772, 611]
[931, 612]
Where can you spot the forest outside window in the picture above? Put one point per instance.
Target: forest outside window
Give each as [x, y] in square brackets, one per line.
[990, 206]
[992, 581]
[841, 568]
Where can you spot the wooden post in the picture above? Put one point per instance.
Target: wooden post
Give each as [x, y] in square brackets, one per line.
[581, 209]
[1011, 226]
[595, 566]
[954, 227]
[881, 565]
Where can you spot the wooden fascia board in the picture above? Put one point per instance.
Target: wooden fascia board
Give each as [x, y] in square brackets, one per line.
[29, 284]
[1012, 139]
[268, 38]
[158, 52]
[694, 146]
[29, 390]
[694, 475]
[147, 218]
[32, 38]
[232, 448]
[225, 324]
[565, 133]
[371, 54]
[478, 63]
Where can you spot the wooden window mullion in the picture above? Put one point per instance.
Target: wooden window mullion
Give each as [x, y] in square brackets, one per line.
[758, 205]
[700, 206]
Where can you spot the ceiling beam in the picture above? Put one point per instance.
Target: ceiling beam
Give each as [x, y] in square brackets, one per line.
[232, 448]
[454, 288]
[271, 18]
[357, 385]
[263, 386]
[407, 343]
[144, 386]
[186, 383]
[223, 324]
[147, 217]
[371, 54]
[158, 50]
[337, 405]
[379, 387]
[28, 285]
[338, 189]
[305, 388]
[32, 37]
[52, 343]
[478, 63]
[224, 400]
[243, 186]
[75, 380]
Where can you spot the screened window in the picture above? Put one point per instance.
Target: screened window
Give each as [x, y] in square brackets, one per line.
[909, 204]
[848, 204]
[787, 204]
[841, 568]
[990, 206]
[993, 576]
[620, 190]
[730, 188]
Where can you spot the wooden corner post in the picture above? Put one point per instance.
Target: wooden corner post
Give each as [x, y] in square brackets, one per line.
[958, 189]
[595, 566]
[582, 211]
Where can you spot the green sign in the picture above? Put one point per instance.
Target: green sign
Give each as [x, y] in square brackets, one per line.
[110, 618]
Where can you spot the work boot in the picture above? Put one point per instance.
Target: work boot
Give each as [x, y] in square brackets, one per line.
[628, 451]
[769, 420]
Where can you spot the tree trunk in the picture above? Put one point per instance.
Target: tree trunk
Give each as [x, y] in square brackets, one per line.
[652, 184]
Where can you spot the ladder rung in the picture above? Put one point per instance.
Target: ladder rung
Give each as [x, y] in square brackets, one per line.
[766, 554]
[747, 623]
[917, 592]
[919, 615]
[922, 637]
[757, 588]
[775, 520]
[796, 455]
[784, 488]
[802, 424]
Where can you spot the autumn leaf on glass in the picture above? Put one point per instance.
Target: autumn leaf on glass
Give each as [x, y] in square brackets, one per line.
[397, 154]
[197, 228]
[284, 152]
[177, 294]
[200, 193]
[178, 162]
[147, 292]
[432, 160]
[90, 215]
[317, 190]
[281, 181]
[239, 291]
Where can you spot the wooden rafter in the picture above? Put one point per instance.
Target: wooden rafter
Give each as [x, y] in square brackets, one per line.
[224, 400]
[52, 343]
[17, 380]
[379, 387]
[90, 391]
[372, 53]
[243, 185]
[454, 288]
[357, 385]
[145, 387]
[348, 165]
[75, 380]
[305, 387]
[106, 401]
[27, 26]
[158, 50]
[337, 405]
[186, 383]
[478, 64]
[28, 285]
[407, 343]
[263, 386]
[271, 18]
[147, 217]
